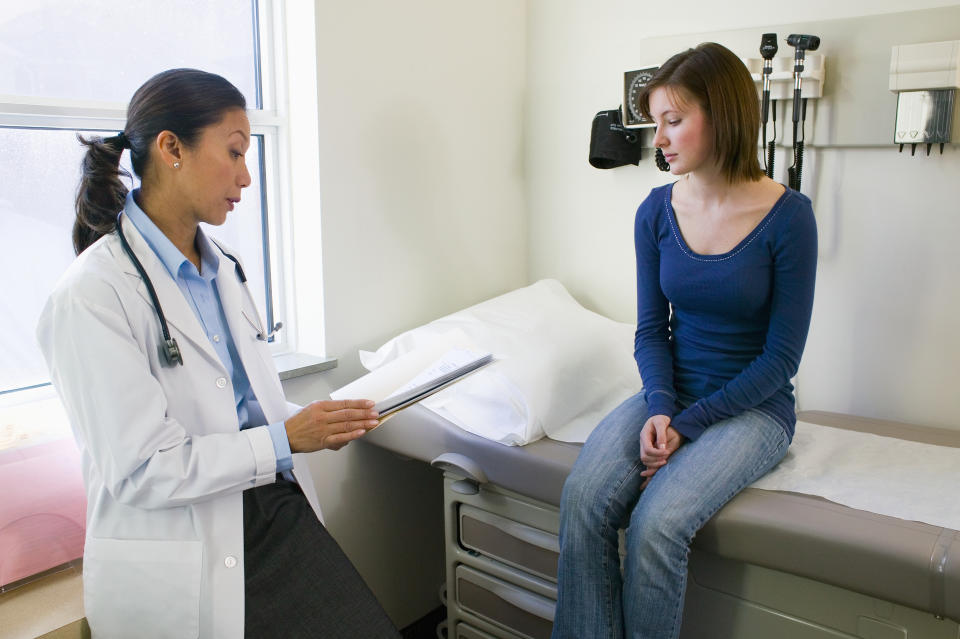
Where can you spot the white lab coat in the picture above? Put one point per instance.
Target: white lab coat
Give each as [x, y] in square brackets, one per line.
[163, 459]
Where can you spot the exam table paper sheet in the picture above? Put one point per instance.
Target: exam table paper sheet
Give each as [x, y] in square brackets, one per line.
[883, 475]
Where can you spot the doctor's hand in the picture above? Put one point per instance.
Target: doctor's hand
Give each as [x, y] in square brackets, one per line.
[330, 424]
[658, 440]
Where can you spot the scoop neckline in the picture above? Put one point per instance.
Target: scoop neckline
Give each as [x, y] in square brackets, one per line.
[675, 226]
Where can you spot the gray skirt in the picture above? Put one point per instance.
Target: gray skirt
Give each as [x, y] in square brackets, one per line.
[299, 583]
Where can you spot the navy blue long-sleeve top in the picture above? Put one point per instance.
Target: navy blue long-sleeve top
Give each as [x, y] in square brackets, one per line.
[724, 332]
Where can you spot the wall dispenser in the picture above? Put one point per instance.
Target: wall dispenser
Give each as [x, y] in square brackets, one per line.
[926, 77]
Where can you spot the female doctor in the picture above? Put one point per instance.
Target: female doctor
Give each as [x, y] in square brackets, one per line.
[200, 522]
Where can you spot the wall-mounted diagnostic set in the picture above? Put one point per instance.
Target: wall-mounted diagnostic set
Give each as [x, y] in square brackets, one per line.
[797, 81]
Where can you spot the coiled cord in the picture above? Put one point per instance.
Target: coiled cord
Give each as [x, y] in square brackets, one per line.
[772, 145]
[661, 161]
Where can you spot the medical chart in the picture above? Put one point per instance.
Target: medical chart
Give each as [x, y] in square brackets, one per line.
[454, 366]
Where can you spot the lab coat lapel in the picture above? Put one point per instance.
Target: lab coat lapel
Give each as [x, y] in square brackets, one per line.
[176, 310]
[237, 308]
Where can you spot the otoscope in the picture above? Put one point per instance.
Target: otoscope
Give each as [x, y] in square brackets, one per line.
[802, 43]
[768, 49]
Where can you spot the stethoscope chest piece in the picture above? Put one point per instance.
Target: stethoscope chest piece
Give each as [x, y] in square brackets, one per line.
[170, 351]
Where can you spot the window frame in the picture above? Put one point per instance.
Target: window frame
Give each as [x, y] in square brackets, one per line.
[281, 153]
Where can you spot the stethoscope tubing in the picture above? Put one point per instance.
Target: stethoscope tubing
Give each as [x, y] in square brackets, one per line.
[170, 349]
[143, 274]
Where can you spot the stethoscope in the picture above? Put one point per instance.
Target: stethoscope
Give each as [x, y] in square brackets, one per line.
[168, 347]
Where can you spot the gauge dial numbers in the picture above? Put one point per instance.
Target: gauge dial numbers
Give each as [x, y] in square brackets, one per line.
[633, 84]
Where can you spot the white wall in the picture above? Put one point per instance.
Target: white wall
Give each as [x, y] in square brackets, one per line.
[883, 341]
[421, 109]
[454, 141]
[422, 213]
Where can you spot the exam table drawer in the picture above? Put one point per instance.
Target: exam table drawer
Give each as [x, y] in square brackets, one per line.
[509, 541]
[523, 612]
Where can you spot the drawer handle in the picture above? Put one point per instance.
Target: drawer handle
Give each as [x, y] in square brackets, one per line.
[525, 601]
[528, 534]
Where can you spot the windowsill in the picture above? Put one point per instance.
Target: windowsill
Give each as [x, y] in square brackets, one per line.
[292, 365]
[44, 605]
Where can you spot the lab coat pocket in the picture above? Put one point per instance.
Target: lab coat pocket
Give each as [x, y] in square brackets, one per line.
[141, 588]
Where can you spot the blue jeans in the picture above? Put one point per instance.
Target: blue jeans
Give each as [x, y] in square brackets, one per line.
[602, 495]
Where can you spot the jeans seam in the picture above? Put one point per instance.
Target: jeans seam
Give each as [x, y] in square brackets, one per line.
[605, 526]
[679, 603]
[769, 415]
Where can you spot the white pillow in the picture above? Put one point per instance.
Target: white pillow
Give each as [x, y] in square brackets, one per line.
[560, 369]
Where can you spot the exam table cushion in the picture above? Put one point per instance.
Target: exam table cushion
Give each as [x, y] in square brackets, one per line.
[905, 562]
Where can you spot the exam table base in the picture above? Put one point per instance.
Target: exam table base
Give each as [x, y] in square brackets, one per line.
[732, 599]
[500, 584]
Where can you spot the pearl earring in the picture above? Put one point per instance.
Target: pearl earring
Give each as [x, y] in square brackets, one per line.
[176, 165]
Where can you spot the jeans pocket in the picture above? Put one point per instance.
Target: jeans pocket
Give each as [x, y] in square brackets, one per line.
[142, 587]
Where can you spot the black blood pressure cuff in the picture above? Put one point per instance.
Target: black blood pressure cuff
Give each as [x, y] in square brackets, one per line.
[612, 145]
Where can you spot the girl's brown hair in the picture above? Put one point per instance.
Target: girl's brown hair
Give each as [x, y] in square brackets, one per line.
[716, 79]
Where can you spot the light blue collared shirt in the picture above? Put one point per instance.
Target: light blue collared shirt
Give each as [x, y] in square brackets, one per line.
[200, 290]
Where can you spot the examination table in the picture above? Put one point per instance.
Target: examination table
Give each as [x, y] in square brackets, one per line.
[769, 565]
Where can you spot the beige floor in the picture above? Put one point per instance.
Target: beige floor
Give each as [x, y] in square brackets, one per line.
[42, 606]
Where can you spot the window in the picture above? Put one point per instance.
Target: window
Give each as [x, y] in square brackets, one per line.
[71, 67]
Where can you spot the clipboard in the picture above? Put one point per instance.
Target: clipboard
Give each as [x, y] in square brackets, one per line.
[391, 405]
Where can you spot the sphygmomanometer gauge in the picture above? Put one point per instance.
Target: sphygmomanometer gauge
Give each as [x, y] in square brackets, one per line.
[633, 83]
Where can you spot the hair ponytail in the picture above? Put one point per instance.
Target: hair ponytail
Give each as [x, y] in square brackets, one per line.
[101, 194]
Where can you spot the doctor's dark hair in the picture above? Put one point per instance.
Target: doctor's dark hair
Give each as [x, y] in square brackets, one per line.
[183, 101]
[715, 79]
